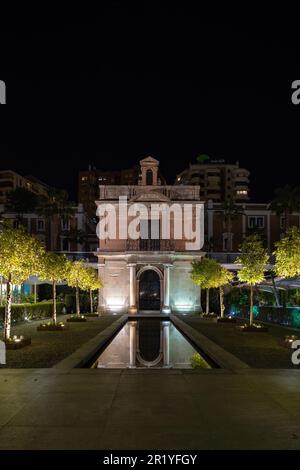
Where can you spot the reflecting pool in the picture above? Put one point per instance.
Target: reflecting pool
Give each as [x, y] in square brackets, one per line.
[150, 343]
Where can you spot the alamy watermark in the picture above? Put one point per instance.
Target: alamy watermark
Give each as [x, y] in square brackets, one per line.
[2, 92]
[296, 93]
[296, 353]
[2, 353]
[124, 221]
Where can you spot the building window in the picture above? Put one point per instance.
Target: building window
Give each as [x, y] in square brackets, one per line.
[65, 246]
[242, 192]
[256, 221]
[65, 225]
[20, 223]
[282, 222]
[41, 225]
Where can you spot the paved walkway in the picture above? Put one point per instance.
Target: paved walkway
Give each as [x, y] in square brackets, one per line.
[96, 409]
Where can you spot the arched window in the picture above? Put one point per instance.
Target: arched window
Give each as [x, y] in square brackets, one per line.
[149, 178]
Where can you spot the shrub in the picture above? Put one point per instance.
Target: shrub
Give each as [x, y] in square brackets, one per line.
[37, 311]
[197, 361]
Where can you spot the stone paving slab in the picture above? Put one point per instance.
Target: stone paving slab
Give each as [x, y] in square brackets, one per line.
[98, 409]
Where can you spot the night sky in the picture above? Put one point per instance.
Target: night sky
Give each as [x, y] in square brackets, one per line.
[112, 88]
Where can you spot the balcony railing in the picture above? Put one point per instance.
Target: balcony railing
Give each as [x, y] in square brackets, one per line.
[176, 193]
[86, 256]
[230, 257]
[150, 245]
[223, 257]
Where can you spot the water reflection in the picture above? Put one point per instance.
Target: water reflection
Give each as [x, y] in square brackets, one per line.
[148, 343]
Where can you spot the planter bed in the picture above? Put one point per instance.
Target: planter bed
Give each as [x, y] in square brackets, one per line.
[226, 320]
[17, 344]
[287, 341]
[80, 319]
[252, 329]
[209, 315]
[52, 327]
[92, 315]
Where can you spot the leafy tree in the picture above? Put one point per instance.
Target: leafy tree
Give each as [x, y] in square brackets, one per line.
[203, 274]
[21, 201]
[285, 202]
[288, 254]
[92, 283]
[20, 257]
[54, 269]
[253, 259]
[77, 276]
[221, 279]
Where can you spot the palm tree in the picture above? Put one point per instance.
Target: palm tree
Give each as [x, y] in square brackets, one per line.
[55, 207]
[285, 202]
[21, 201]
[75, 235]
[229, 211]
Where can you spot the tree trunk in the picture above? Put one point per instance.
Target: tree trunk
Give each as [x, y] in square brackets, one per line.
[201, 301]
[1, 290]
[287, 215]
[222, 308]
[229, 233]
[91, 301]
[251, 305]
[35, 292]
[275, 291]
[77, 302]
[54, 302]
[52, 242]
[207, 301]
[7, 319]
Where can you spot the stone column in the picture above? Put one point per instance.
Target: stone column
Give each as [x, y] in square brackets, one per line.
[101, 300]
[166, 343]
[132, 288]
[166, 307]
[132, 344]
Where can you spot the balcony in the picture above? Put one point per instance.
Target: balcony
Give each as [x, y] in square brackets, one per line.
[224, 257]
[150, 245]
[176, 193]
[87, 257]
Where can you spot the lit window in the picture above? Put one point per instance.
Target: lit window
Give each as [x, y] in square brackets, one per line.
[242, 192]
[256, 221]
[40, 225]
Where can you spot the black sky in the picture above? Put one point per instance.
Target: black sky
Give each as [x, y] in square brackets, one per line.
[111, 88]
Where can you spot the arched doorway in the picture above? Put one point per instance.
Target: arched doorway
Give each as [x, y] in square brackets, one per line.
[149, 177]
[149, 290]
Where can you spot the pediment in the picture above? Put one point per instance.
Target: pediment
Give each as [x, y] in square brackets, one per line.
[151, 196]
[149, 161]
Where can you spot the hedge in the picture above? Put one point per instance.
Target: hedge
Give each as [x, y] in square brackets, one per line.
[70, 302]
[20, 312]
[285, 316]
